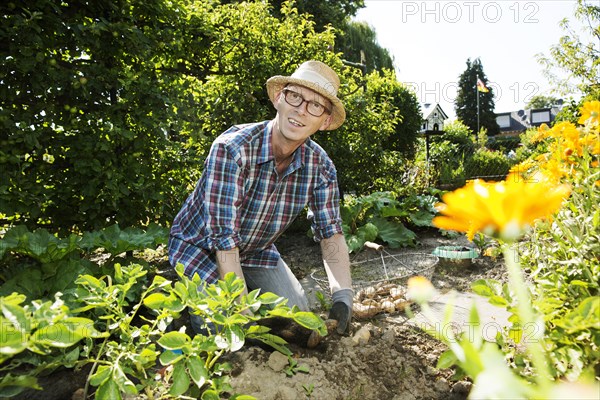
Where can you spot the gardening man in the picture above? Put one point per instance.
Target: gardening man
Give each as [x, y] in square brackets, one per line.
[256, 180]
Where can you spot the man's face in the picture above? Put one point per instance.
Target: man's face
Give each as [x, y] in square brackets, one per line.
[295, 122]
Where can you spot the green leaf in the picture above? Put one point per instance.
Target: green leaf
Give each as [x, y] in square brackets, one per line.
[12, 339]
[274, 341]
[235, 337]
[64, 274]
[576, 282]
[486, 287]
[83, 327]
[283, 312]
[181, 382]
[173, 340]
[101, 375]
[311, 321]
[270, 298]
[303, 368]
[89, 280]
[108, 391]
[198, 371]
[421, 218]
[368, 231]
[11, 385]
[170, 357]
[57, 335]
[123, 382]
[210, 395]
[155, 301]
[390, 211]
[515, 333]
[585, 316]
[354, 243]
[13, 312]
[498, 301]
[236, 319]
[395, 234]
[447, 359]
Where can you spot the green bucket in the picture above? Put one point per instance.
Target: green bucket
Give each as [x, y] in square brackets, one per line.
[455, 255]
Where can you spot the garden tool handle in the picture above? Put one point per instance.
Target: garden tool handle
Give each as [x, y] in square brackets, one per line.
[374, 246]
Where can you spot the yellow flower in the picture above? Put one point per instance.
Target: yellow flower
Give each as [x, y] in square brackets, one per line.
[592, 141]
[420, 289]
[563, 129]
[523, 168]
[542, 133]
[501, 209]
[590, 112]
[552, 170]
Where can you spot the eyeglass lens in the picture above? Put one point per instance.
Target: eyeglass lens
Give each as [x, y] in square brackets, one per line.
[295, 99]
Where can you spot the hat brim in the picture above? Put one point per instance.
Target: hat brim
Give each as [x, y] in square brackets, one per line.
[338, 114]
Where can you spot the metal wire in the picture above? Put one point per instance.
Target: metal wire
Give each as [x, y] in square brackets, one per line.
[392, 268]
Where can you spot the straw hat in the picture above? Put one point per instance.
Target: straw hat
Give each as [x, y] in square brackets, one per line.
[316, 76]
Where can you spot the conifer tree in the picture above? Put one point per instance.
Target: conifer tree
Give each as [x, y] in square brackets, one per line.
[473, 83]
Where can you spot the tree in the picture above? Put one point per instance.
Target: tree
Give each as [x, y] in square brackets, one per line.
[358, 39]
[325, 12]
[542, 101]
[575, 56]
[381, 130]
[353, 39]
[466, 105]
[107, 108]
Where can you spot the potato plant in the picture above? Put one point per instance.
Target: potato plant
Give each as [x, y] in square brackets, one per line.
[116, 319]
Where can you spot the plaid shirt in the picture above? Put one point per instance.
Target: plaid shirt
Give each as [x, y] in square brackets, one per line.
[241, 201]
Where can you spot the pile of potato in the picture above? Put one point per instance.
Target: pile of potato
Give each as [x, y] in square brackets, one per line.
[383, 297]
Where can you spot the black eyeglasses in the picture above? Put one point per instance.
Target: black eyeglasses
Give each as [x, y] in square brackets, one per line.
[295, 99]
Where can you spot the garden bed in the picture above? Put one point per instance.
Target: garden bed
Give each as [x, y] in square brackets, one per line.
[398, 361]
[393, 360]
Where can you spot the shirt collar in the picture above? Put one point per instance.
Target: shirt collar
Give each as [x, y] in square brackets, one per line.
[266, 150]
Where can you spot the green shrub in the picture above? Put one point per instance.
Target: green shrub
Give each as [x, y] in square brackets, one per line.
[487, 164]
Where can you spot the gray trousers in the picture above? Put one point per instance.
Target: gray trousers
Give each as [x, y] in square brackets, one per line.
[279, 280]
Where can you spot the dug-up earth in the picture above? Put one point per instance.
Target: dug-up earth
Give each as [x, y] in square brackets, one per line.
[387, 356]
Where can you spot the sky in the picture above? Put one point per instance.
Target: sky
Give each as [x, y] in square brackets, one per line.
[431, 41]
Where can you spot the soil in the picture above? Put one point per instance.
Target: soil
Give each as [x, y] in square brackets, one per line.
[395, 361]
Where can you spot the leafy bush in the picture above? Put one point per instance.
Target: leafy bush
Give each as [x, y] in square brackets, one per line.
[105, 326]
[448, 153]
[380, 216]
[113, 109]
[487, 164]
[38, 264]
[378, 137]
[67, 302]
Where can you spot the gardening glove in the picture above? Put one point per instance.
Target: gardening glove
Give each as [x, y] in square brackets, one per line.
[341, 310]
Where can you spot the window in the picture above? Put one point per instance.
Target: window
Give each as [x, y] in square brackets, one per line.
[503, 121]
[537, 117]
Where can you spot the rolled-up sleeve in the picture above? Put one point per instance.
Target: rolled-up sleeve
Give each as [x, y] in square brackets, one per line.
[324, 207]
[222, 196]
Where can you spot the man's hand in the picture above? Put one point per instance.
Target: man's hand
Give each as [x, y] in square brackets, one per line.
[341, 310]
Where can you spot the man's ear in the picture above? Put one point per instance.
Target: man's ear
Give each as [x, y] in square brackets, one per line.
[276, 99]
[326, 123]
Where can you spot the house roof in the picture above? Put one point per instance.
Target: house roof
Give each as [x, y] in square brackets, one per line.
[521, 120]
[427, 109]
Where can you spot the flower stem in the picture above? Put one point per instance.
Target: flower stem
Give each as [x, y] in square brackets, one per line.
[527, 318]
